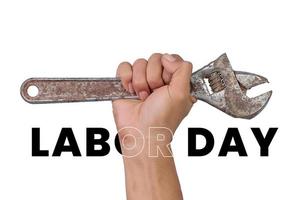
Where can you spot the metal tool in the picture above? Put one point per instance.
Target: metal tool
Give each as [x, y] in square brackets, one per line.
[224, 89]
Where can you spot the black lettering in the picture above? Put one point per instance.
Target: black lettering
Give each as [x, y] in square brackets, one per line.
[192, 133]
[66, 133]
[233, 134]
[117, 144]
[36, 151]
[264, 142]
[91, 142]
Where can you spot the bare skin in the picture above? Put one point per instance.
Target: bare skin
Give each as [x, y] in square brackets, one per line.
[163, 85]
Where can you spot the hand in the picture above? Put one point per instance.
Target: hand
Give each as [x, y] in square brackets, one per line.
[163, 86]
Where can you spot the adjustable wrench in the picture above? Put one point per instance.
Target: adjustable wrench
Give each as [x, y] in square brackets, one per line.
[224, 89]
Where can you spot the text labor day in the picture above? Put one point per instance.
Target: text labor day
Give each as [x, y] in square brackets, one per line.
[97, 142]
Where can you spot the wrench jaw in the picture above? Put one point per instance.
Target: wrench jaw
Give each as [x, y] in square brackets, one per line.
[244, 107]
[249, 80]
[228, 89]
[256, 104]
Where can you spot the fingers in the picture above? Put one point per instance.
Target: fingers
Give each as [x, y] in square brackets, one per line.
[124, 72]
[144, 76]
[167, 75]
[180, 70]
[139, 80]
[154, 71]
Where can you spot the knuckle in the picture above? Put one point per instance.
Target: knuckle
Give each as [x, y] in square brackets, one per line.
[122, 64]
[177, 56]
[140, 61]
[155, 55]
[124, 73]
[188, 64]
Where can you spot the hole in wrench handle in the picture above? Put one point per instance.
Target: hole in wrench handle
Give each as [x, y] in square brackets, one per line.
[59, 90]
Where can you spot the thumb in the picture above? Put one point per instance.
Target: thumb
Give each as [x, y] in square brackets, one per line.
[180, 71]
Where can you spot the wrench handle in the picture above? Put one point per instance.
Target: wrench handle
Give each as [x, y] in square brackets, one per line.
[59, 90]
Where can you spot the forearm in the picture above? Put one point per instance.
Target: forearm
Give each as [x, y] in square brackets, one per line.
[151, 177]
[163, 85]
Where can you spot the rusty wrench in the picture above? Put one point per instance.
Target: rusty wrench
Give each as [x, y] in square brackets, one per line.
[226, 89]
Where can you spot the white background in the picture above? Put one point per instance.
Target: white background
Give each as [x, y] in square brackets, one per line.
[72, 38]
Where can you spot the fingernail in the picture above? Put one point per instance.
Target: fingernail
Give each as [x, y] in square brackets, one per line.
[169, 57]
[143, 95]
[130, 88]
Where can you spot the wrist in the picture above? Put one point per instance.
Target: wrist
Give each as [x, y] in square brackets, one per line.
[154, 142]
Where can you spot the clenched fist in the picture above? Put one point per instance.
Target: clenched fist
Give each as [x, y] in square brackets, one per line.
[163, 85]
